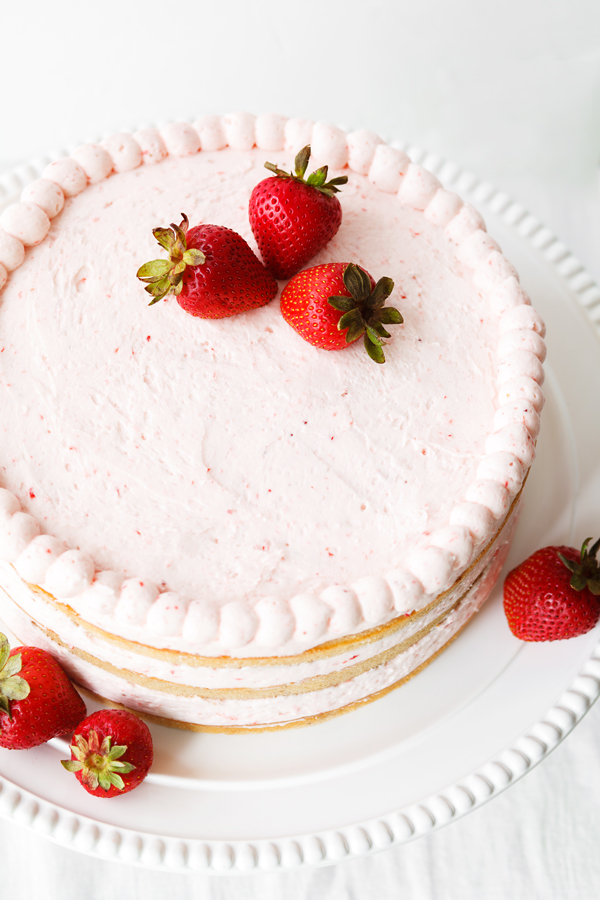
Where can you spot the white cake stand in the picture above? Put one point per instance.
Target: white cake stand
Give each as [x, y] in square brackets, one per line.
[470, 725]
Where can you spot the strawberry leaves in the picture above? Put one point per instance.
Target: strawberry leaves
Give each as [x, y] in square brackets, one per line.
[585, 571]
[111, 753]
[165, 276]
[12, 686]
[364, 312]
[99, 763]
[318, 179]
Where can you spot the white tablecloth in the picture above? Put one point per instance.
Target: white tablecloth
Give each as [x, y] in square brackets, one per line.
[537, 841]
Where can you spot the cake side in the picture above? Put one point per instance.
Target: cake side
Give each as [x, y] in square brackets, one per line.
[306, 699]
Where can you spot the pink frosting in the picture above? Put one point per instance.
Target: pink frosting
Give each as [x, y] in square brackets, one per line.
[239, 130]
[476, 518]
[151, 144]
[406, 589]
[518, 411]
[493, 270]
[35, 560]
[466, 221]
[518, 317]
[515, 439]
[311, 615]
[297, 134]
[433, 566]
[26, 222]
[9, 504]
[101, 596]
[68, 174]
[180, 139]
[95, 161]
[70, 574]
[443, 207]
[476, 248]
[201, 623]
[522, 339]
[456, 540]
[167, 614]
[270, 131]
[45, 194]
[361, 150]
[16, 534]
[12, 251]
[508, 295]
[211, 132]
[276, 622]
[520, 362]
[504, 467]
[490, 494]
[375, 598]
[388, 168]
[124, 150]
[329, 146]
[418, 187]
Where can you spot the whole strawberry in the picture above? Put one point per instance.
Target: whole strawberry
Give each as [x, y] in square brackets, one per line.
[211, 270]
[37, 700]
[554, 594]
[291, 217]
[331, 306]
[111, 753]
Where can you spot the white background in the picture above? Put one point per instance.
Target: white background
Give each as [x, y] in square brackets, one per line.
[508, 89]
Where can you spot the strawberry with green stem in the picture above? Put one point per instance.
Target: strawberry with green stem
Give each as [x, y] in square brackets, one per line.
[111, 753]
[210, 269]
[333, 305]
[554, 594]
[293, 217]
[37, 700]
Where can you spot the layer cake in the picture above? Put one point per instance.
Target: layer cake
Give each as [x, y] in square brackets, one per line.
[212, 522]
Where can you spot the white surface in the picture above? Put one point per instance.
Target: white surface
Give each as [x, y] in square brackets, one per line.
[510, 90]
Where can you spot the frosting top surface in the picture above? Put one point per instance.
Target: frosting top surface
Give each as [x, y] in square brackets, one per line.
[230, 459]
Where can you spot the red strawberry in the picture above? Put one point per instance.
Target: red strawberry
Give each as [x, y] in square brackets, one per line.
[37, 700]
[111, 753]
[211, 270]
[331, 306]
[554, 594]
[291, 217]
